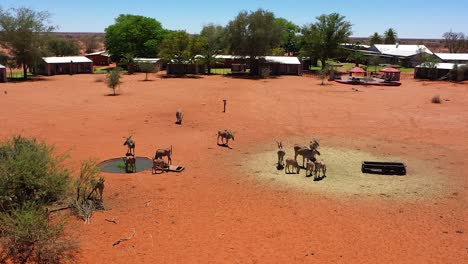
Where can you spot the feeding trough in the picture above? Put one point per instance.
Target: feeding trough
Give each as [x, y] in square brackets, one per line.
[387, 168]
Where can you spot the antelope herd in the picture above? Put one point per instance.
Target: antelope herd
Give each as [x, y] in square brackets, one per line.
[313, 167]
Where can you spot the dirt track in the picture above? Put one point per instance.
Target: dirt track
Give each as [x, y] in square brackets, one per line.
[225, 207]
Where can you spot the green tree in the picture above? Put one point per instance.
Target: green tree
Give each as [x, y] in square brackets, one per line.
[63, 47]
[137, 35]
[375, 39]
[146, 67]
[374, 61]
[31, 178]
[322, 39]
[113, 80]
[390, 36]
[357, 57]
[290, 40]
[213, 40]
[430, 62]
[180, 47]
[254, 34]
[23, 32]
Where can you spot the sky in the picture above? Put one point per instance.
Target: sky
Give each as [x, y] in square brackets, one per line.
[410, 18]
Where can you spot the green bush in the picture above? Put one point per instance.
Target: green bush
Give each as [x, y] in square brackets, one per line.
[113, 79]
[28, 236]
[29, 172]
[31, 178]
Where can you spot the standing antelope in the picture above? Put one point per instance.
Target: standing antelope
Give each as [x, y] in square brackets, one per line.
[315, 143]
[225, 135]
[179, 115]
[305, 153]
[281, 153]
[130, 163]
[167, 152]
[320, 166]
[130, 143]
[292, 163]
[310, 166]
[98, 187]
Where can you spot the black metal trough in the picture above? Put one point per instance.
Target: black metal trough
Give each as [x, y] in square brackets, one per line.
[387, 168]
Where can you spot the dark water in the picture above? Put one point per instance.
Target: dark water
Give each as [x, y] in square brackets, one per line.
[112, 165]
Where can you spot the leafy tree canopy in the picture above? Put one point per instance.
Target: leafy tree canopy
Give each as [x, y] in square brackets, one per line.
[290, 40]
[254, 34]
[180, 47]
[63, 47]
[132, 34]
[390, 36]
[375, 39]
[322, 39]
[23, 32]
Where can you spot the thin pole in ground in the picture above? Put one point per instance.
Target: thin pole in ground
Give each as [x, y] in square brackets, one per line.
[224, 101]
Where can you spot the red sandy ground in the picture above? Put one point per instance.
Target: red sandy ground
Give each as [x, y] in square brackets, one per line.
[213, 212]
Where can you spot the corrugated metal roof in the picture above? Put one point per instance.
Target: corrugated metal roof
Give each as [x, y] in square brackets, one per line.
[74, 59]
[271, 59]
[2, 67]
[232, 57]
[151, 60]
[103, 53]
[453, 56]
[442, 66]
[282, 59]
[401, 50]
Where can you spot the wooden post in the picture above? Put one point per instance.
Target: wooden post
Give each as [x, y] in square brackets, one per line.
[224, 101]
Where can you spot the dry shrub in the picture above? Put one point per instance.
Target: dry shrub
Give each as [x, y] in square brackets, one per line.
[87, 200]
[436, 100]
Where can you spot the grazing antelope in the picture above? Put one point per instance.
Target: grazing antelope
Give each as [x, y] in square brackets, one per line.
[167, 152]
[281, 153]
[225, 135]
[98, 187]
[306, 154]
[179, 115]
[159, 165]
[292, 163]
[310, 166]
[320, 166]
[130, 143]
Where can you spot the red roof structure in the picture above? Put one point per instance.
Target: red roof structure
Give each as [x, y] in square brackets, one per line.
[391, 74]
[357, 70]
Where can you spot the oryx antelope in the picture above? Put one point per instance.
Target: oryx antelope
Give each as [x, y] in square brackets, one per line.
[310, 167]
[281, 153]
[314, 144]
[225, 135]
[179, 115]
[320, 166]
[130, 143]
[306, 153]
[159, 165]
[130, 163]
[167, 152]
[292, 163]
[98, 187]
